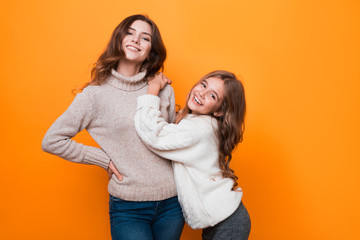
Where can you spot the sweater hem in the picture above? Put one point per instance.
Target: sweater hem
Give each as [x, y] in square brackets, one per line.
[134, 194]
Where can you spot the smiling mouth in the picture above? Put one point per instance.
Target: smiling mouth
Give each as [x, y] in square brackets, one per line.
[132, 48]
[197, 100]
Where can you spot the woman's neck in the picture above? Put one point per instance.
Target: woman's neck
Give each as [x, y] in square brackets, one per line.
[127, 68]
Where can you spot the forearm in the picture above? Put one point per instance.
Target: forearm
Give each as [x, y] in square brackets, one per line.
[166, 140]
[153, 89]
[58, 139]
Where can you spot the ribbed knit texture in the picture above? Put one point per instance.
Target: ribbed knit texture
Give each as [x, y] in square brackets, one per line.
[107, 113]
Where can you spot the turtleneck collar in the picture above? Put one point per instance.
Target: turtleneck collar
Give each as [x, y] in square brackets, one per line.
[122, 82]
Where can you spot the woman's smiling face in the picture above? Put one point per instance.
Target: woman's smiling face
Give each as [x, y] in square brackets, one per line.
[137, 42]
[206, 97]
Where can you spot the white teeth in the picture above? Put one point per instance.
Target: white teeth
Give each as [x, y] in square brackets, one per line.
[197, 100]
[133, 48]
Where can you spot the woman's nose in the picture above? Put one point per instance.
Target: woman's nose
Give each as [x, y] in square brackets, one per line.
[135, 39]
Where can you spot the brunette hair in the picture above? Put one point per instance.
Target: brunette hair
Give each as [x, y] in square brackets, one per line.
[231, 124]
[113, 52]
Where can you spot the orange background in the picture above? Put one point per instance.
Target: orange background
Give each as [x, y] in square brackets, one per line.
[300, 63]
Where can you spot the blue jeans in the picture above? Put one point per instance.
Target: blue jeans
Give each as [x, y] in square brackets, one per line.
[150, 220]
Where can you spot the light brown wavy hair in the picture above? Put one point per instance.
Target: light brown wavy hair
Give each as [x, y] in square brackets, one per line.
[113, 52]
[231, 124]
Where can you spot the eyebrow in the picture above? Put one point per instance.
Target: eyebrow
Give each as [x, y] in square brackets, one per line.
[217, 96]
[142, 32]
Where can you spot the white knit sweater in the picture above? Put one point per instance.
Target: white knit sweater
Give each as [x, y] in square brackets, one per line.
[205, 196]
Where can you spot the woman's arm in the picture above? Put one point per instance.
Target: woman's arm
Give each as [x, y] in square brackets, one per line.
[58, 141]
[171, 141]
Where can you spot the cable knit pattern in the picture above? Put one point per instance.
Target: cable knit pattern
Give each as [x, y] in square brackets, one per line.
[107, 112]
[205, 196]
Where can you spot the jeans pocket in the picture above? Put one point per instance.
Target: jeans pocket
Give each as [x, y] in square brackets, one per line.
[116, 204]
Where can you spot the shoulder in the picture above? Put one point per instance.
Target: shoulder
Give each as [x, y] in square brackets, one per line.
[167, 91]
[87, 91]
[89, 95]
[206, 124]
[93, 91]
[204, 120]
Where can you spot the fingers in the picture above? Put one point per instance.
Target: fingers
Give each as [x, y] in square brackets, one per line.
[166, 79]
[238, 189]
[157, 83]
[109, 172]
[113, 170]
[118, 175]
[160, 76]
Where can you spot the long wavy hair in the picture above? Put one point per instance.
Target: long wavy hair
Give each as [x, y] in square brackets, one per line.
[113, 52]
[231, 124]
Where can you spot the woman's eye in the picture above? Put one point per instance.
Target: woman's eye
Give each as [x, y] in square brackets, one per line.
[213, 96]
[146, 39]
[203, 84]
[128, 33]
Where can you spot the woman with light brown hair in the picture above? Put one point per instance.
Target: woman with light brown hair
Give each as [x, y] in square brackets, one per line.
[143, 202]
[200, 144]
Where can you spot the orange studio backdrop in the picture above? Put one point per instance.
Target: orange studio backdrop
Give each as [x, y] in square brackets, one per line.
[300, 64]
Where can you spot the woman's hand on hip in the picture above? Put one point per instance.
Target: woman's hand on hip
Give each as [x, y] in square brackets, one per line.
[113, 170]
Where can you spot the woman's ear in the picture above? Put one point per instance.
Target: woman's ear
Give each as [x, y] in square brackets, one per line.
[218, 114]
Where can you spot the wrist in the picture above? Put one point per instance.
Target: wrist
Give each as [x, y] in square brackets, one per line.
[153, 89]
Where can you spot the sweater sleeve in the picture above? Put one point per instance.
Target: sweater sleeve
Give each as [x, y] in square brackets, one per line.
[167, 104]
[57, 139]
[171, 141]
[172, 110]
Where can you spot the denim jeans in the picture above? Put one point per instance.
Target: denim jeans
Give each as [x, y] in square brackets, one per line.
[150, 220]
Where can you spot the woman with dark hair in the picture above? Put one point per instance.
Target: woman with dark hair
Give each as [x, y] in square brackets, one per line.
[143, 203]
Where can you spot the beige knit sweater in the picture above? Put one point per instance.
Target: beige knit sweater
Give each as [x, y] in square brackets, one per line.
[107, 113]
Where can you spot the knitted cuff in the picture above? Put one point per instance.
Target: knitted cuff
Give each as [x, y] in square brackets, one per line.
[96, 156]
[148, 100]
